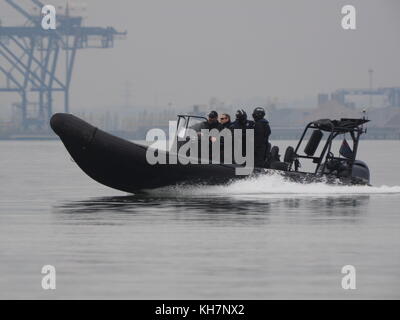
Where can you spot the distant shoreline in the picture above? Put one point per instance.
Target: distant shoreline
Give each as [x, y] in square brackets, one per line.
[278, 133]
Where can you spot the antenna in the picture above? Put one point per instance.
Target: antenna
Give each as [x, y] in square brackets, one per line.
[370, 73]
[365, 117]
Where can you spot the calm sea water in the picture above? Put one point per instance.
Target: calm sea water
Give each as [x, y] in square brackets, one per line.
[258, 239]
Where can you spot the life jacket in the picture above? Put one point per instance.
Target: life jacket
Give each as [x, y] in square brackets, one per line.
[239, 125]
[264, 121]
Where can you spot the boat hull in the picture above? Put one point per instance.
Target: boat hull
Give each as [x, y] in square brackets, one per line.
[122, 165]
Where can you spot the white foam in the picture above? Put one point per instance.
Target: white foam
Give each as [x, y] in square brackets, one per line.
[274, 185]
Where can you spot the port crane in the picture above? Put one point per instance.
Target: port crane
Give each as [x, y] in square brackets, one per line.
[37, 63]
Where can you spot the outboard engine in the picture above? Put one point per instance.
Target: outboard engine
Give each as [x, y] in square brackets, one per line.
[361, 171]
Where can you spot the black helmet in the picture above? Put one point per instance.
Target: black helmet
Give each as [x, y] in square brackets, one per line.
[241, 115]
[213, 115]
[258, 113]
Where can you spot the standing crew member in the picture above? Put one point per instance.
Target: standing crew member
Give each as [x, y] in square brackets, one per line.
[262, 132]
[243, 124]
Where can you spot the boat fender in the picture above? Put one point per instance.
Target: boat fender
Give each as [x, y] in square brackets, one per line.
[313, 143]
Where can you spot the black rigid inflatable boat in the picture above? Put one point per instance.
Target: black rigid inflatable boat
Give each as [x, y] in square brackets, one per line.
[122, 165]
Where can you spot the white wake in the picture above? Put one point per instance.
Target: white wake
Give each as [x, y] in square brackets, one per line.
[274, 185]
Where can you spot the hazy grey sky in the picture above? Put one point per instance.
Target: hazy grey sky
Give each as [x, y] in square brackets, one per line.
[186, 51]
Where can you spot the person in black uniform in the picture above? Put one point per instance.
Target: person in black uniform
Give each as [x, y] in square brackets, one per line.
[209, 124]
[212, 122]
[243, 124]
[262, 132]
[241, 121]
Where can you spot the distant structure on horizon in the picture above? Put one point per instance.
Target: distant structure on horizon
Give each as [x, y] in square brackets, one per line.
[31, 59]
[390, 94]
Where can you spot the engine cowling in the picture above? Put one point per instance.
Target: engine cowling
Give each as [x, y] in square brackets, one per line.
[360, 170]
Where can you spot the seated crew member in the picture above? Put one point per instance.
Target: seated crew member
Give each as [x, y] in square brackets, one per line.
[225, 120]
[262, 132]
[243, 124]
[209, 124]
[212, 122]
